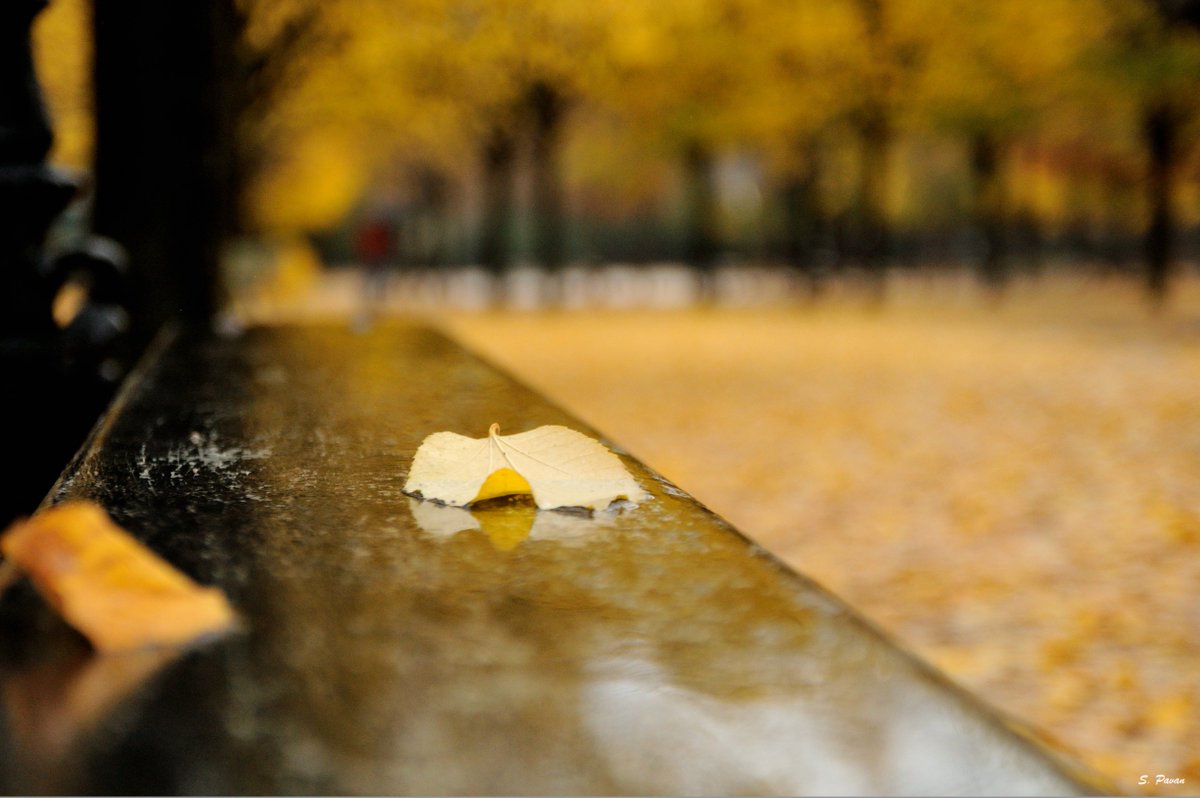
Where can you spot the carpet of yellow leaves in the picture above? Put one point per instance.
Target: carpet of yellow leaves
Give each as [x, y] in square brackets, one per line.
[1011, 490]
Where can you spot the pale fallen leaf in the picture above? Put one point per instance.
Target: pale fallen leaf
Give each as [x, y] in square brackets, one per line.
[559, 467]
[118, 593]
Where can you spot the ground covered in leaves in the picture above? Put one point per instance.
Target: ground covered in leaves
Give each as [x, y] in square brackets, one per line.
[1011, 490]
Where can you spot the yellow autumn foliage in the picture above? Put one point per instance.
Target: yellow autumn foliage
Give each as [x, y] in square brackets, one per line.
[394, 84]
[311, 187]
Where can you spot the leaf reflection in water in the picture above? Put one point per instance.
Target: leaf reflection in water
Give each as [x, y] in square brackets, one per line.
[510, 521]
[50, 705]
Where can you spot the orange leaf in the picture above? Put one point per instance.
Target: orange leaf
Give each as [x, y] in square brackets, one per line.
[118, 593]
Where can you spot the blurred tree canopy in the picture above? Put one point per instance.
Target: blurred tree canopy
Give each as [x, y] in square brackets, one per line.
[866, 125]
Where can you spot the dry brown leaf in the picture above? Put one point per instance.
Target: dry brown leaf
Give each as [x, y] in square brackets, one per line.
[106, 584]
[559, 467]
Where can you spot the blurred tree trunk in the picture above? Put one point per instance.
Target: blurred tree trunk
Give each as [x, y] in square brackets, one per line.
[164, 149]
[989, 207]
[1030, 240]
[547, 107]
[1180, 12]
[875, 235]
[433, 200]
[876, 134]
[702, 238]
[803, 221]
[499, 157]
[1160, 126]
[1079, 233]
[1118, 188]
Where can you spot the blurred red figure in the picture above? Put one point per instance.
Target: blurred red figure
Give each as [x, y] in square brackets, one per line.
[375, 246]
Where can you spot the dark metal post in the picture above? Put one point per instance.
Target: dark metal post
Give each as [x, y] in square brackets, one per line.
[164, 149]
[57, 376]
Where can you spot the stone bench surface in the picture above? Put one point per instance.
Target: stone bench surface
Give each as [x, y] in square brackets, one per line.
[396, 646]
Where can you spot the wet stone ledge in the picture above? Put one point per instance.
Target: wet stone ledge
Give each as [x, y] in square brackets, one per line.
[394, 646]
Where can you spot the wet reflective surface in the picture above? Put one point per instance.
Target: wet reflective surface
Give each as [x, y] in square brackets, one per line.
[395, 646]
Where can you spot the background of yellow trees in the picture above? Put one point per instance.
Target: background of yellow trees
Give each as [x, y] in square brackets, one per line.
[861, 123]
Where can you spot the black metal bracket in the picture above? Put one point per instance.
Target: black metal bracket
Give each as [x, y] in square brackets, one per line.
[58, 372]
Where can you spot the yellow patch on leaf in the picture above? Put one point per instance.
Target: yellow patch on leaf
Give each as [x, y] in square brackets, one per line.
[118, 593]
[504, 482]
